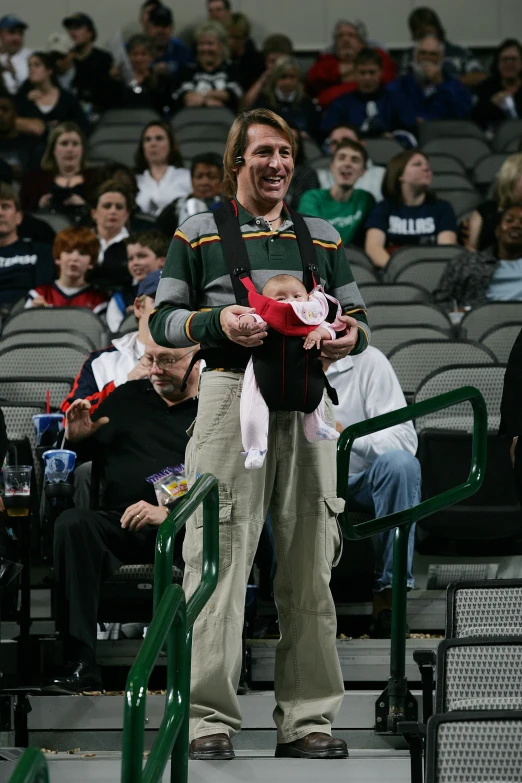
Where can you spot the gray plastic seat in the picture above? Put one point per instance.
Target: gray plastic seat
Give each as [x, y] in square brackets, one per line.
[451, 182]
[56, 220]
[363, 275]
[137, 116]
[129, 324]
[29, 391]
[487, 168]
[425, 274]
[462, 201]
[446, 164]
[198, 115]
[374, 293]
[115, 133]
[500, 340]
[483, 318]
[19, 425]
[480, 747]
[48, 336]
[59, 318]
[356, 255]
[509, 131]
[409, 314]
[467, 149]
[196, 146]
[417, 359]
[381, 151]
[443, 129]
[311, 150]
[487, 378]
[41, 361]
[407, 255]
[487, 608]
[119, 151]
[387, 338]
[201, 131]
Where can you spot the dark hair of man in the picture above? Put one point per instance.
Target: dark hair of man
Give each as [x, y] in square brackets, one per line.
[240, 21]
[391, 184]
[237, 142]
[426, 17]
[226, 4]
[278, 43]
[300, 154]
[508, 43]
[208, 159]
[8, 193]
[111, 186]
[140, 40]
[351, 145]
[368, 56]
[110, 170]
[349, 126]
[153, 239]
[150, 4]
[174, 158]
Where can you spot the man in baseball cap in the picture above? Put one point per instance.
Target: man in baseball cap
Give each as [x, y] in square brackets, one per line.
[91, 82]
[14, 68]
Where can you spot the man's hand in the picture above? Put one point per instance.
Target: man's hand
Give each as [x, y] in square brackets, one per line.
[78, 422]
[512, 449]
[338, 349]
[45, 200]
[194, 99]
[138, 373]
[230, 324]
[140, 514]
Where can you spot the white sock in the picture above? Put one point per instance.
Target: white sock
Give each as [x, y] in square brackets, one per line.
[254, 458]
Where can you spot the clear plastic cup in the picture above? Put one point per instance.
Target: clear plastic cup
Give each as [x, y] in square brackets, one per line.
[17, 489]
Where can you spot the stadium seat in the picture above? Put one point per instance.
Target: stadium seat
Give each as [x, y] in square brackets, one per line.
[480, 320]
[115, 133]
[357, 256]
[446, 164]
[129, 324]
[119, 151]
[467, 149]
[509, 131]
[381, 151]
[201, 131]
[424, 274]
[410, 314]
[451, 182]
[19, 425]
[41, 361]
[500, 340]
[48, 336]
[387, 338]
[32, 391]
[406, 255]
[416, 360]
[488, 608]
[443, 129]
[377, 293]
[321, 163]
[474, 746]
[311, 150]
[486, 170]
[60, 318]
[56, 220]
[203, 114]
[487, 378]
[196, 146]
[135, 116]
[462, 201]
[362, 275]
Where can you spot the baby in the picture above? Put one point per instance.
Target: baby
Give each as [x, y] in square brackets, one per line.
[312, 310]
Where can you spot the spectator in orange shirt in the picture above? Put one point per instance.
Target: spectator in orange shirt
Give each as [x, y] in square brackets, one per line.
[333, 73]
[75, 253]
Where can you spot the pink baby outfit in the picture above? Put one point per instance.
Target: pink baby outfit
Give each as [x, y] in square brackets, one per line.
[254, 413]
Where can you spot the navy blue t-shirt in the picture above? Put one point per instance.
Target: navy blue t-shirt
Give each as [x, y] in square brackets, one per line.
[404, 225]
[24, 265]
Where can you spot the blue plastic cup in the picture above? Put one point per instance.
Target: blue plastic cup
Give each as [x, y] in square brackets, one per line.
[47, 426]
[58, 465]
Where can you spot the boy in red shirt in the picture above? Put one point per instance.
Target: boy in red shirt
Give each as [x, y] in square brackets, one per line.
[75, 252]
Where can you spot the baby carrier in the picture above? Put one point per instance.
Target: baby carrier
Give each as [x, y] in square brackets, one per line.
[289, 377]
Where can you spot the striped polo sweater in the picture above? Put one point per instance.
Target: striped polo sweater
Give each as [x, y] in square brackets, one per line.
[195, 284]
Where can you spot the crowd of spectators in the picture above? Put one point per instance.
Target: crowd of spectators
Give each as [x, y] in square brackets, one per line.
[52, 99]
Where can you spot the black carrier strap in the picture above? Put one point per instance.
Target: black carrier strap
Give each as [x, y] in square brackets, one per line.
[236, 256]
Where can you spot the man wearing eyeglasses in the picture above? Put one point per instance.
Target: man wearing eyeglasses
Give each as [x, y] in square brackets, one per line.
[138, 430]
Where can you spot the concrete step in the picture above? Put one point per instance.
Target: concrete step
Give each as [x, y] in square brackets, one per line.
[361, 767]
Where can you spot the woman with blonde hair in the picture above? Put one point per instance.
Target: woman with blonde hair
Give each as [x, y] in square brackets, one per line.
[507, 191]
[212, 80]
[284, 94]
[63, 182]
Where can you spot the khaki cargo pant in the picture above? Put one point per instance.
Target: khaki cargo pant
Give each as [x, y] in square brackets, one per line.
[298, 482]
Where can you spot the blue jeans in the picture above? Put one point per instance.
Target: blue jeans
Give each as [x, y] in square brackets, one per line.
[391, 483]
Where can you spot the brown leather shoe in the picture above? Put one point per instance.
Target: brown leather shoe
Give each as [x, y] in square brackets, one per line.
[211, 747]
[314, 746]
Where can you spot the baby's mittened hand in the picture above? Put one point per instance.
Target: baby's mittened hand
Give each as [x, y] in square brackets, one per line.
[246, 323]
[311, 339]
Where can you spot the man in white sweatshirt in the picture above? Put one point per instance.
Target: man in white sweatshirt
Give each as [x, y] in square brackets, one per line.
[384, 474]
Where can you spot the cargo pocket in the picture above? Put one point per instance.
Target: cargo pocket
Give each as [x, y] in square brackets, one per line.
[225, 532]
[333, 533]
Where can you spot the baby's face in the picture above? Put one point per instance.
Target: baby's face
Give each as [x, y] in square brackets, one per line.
[286, 292]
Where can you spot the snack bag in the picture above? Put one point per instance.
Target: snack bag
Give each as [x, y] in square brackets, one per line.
[169, 484]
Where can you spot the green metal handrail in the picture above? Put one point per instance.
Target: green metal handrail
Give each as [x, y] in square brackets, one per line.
[32, 768]
[172, 623]
[396, 703]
